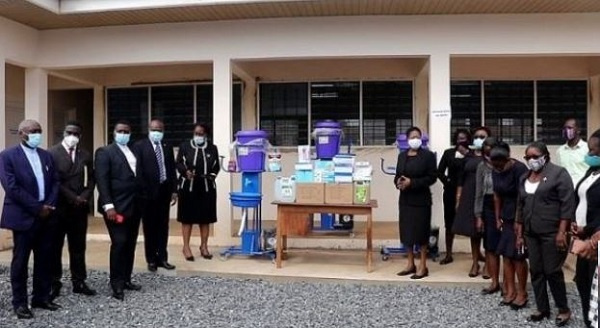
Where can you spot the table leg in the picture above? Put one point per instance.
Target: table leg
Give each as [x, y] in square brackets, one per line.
[280, 231]
[370, 242]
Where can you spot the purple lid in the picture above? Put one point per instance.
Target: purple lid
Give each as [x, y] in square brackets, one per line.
[330, 124]
[256, 134]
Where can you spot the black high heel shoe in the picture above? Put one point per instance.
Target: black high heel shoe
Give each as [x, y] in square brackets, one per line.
[507, 303]
[537, 317]
[189, 258]
[206, 256]
[517, 307]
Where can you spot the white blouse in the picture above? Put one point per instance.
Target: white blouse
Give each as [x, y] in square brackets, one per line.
[581, 212]
[531, 187]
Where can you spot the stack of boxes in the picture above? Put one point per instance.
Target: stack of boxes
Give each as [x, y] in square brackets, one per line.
[340, 180]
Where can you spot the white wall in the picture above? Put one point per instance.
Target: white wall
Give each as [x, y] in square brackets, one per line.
[321, 37]
[18, 43]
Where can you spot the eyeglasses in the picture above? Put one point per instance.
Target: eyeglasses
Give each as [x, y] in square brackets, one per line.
[532, 157]
[35, 131]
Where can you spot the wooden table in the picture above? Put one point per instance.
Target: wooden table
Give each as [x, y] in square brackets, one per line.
[293, 211]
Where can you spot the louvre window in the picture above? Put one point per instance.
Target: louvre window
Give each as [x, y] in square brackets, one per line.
[387, 111]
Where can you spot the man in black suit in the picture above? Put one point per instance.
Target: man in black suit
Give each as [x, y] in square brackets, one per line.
[31, 185]
[159, 188]
[75, 170]
[119, 203]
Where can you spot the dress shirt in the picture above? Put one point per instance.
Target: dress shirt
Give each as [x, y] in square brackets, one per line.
[572, 159]
[36, 165]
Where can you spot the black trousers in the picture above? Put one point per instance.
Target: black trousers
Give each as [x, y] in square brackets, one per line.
[72, 223]
[155, 219]
[584, 276]
[38, 239]
[123, 240]
[545, 264]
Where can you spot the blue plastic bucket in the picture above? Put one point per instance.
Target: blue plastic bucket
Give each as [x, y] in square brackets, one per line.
[245, 199]
[328, 137]
[251, 150]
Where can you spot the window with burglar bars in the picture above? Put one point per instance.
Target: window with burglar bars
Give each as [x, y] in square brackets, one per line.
[387, 108]
[174, 104]
[511, 108]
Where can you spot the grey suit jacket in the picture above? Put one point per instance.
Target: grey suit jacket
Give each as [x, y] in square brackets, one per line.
[554, 200]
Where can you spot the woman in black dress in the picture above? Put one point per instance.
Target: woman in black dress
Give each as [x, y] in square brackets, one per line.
[415, 173]
[505, 178]
[198, 166]
[465, 221]
[449, 169]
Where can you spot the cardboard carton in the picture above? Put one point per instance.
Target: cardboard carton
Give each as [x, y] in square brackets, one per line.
[310, 193]
[339, 193]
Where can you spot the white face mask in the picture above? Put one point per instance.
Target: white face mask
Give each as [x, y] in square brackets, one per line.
[71, 141]
[415, 143]
[199, 140]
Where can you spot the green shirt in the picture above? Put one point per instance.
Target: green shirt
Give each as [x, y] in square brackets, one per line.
[572, 159]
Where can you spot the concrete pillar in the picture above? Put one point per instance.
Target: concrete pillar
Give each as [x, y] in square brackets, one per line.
[5, 235]
[249, 113]
[99, 129]
[222, 138]
[36, 99]
[439, 102]
[421, 92]
[594, 105]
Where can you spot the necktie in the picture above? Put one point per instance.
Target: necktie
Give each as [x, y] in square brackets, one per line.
[71, 150]
[162, 174]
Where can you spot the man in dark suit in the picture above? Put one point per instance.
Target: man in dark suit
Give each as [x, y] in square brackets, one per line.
[75, 170]
[159, 188]
[119, 203]
[31, 185]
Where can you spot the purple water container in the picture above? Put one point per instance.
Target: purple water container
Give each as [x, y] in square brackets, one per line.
[328, 137]
[251, 150]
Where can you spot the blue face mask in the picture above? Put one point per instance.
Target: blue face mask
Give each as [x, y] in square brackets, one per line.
[34, 140]
[199, 140]
[122, 138]
[156, 136]
[592, 160]
[478, 143]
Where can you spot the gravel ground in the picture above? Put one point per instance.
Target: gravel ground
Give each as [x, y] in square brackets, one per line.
[229, 302]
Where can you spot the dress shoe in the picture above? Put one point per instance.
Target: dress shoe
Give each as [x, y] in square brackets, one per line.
[23, 312]
[166, 265]
[131, 286]
[420, 276]
[55, 290]
[82, 288]
[563, 319]
[507, 303]
[446, 260]
[50, 306]
[152, 267]
[407, 272]
[118, 294]
[517, 307]
[190, 258]
[539, 316]
[490, 291]
[205, 254]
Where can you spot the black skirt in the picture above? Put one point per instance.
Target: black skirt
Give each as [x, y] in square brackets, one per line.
[415, 225]
[198, 206]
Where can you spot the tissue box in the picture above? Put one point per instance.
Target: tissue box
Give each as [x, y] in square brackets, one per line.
[324, 171]
[363, 171]
[304, 172]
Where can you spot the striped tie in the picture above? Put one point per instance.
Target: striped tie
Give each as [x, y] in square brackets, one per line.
[162, 174]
